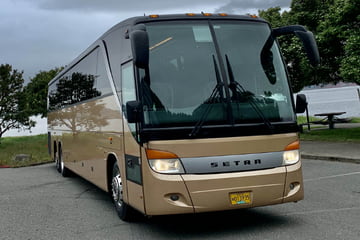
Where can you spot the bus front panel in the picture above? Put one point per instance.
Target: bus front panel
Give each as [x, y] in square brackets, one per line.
[211, 190]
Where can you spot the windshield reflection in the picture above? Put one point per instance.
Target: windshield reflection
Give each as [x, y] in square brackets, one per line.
[190, 82]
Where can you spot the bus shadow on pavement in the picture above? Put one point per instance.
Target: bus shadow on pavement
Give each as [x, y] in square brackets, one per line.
[244, 221]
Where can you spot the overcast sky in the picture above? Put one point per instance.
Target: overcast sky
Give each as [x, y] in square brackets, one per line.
[42, 34]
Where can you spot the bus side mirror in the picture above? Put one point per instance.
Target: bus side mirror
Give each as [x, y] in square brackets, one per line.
[133, 109]
[301, 103]
[307, 38]
[310, 46]
[140, 48]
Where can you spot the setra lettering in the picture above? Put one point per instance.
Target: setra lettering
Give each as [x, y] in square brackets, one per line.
[235, 163]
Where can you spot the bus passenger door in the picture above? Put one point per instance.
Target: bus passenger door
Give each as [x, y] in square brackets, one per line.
[132, 163]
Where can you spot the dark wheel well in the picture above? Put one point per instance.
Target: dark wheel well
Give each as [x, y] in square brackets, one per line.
[124, 211]
[55, 150]
[59, 149]
[109, 169]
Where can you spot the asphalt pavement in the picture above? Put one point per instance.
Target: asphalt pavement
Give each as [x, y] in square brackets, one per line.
[38, 203]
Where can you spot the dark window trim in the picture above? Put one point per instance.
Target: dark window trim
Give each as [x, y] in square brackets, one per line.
[217, 131]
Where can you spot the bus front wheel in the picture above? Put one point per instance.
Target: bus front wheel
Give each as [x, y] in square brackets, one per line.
[122, 209]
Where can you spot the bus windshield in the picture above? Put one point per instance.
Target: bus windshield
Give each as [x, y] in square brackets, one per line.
[214, 73]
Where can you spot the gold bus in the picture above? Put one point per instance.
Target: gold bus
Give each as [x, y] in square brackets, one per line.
[181, 114]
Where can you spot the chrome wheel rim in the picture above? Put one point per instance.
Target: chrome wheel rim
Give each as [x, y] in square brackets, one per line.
[62, 165]
[61, 162]
[57, 163]
[117, 190]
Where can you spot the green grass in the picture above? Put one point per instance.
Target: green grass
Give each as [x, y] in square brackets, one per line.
[332, 135]
[355, 120]
[302, 119]
[320, 132]
[36, 146]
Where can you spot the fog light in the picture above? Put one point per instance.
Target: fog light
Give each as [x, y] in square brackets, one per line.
[174, 197]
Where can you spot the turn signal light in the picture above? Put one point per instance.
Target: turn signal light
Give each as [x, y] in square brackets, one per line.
[293, 146]
[155, 154]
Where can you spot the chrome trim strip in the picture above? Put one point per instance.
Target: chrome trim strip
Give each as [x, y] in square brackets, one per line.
[232, 163]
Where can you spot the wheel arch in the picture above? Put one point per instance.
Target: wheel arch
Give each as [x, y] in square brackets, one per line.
[59, 147]
[111, 159]
[55, 149]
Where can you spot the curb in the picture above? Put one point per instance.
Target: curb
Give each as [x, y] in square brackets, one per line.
[30, 165]
[330, 158]
[4, 166]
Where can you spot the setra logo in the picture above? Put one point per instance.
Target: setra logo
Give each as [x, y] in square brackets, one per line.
[235, 163]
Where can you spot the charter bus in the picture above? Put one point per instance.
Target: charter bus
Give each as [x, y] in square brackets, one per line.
[185, 113]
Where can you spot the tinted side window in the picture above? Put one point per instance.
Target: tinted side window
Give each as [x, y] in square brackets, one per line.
[102, 80]
[76, 85]
[51, 96]
[119, 51]
[128, 88]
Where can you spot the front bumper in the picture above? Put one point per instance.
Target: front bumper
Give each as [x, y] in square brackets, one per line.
[193, 193]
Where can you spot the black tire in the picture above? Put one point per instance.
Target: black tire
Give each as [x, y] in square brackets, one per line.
[57, 162]
[63, 170]
[124, 211]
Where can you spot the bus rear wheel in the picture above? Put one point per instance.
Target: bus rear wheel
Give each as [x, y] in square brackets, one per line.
[123, 210]
[57, 162]
[61, 166]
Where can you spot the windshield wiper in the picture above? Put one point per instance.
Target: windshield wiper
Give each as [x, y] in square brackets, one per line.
[217, 91]
[239, 92]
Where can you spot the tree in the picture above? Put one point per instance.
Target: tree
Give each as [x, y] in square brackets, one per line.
[350, 64]
[13, 113]
[339, 41]
[73, 89]
[299, 69]
[309, 13]
[274, 16]
[37, 90]
[336, 25]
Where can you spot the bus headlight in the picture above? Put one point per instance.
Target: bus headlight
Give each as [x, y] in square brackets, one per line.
[169, 166]
[291, 157]
[291, 154]
[164, 162]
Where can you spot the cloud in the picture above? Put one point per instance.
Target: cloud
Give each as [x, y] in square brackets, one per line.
[251, 6]
[43, 34]
[35, 39]
[121, 5]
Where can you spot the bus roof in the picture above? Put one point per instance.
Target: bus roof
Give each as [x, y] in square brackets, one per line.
[186, 16]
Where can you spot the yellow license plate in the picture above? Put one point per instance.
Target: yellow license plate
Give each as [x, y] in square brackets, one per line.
[240, 198]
